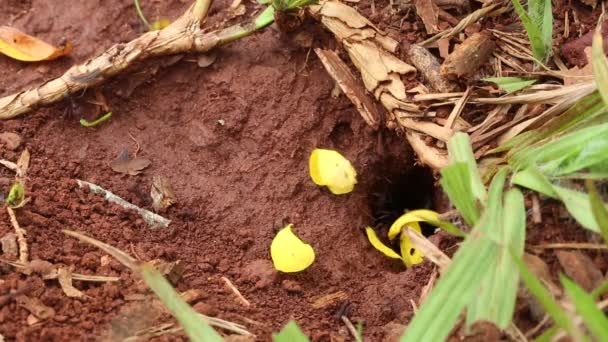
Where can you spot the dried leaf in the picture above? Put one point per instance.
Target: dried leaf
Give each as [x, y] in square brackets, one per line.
[36, 307]
[206, 59]
[580, 268]
[26, 48]
[64, 276]
[124, 164]
[162, 193]
[40, 267]
[9, 246]
[428, 11]
[351, 87]
[31, 320]
[23, 164]
[468, 57]
[444, 47]
[10, 140]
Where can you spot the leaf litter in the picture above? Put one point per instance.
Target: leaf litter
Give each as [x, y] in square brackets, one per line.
[127, 165]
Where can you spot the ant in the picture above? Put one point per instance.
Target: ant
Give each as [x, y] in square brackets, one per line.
[73, 109]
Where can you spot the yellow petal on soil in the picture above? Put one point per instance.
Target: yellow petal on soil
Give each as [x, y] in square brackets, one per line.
[289, 253]
[411, 255]
[159, 24]
[420, 215]
[26, 48]
[373, 239]
[330, 168]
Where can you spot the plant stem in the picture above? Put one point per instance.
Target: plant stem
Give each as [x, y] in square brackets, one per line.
[141, 14]
[201, 7]
[239, 31]
[86, 123]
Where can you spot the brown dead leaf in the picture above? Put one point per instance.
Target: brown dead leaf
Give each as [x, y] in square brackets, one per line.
[9, 246]
[162, 193]
[35, 307]
[206, 59]
[124, 164]
[26, 48]
[10, 140]
[429, 13]
[23, 164]
[468, 57]
[324, 301]
[444, 47]
[64, 276]
[40, 267]
[31, 320]
[579, 75]
[192, 295]
[580, 268]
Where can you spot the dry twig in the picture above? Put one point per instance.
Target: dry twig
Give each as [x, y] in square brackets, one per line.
[23, 251]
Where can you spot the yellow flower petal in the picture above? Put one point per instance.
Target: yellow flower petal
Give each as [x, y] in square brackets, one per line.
[373, 239]
[159, 24]
[420, 215]
[289, 253]
[411, 256]
[330, 168]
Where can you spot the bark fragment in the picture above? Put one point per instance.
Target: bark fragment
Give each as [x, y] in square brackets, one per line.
[469, 56]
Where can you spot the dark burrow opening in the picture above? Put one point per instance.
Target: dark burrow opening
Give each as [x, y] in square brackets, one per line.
[399, 185]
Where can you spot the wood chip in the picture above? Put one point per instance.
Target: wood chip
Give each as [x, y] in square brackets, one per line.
[162, 193]
[468, 57]
[9, 246]
[429, 68]
[429, 13]
[23, 165]
[36, 307]
[10, 140]
[329, 299]
[351, 87]
[124, 164]
[64, 276]
[580, 268]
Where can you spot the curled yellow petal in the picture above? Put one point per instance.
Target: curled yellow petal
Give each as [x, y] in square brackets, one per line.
[289, 253]
[410, 255]
[329, 168]
[373, 239]
[26, 48]
[420, 215]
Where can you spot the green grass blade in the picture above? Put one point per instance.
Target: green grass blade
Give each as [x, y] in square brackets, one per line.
[140, 13]
[510, 84]
[195, 327]
[460, 151]
[498, 290]
[265, 18]
[599, 63]
[456, 183]
[547, 27]
[535, 34]
[585, 306]
[291, 332]
[547, 335]
[598, 209]
[454, 290]
[533, 179]
[543, 296]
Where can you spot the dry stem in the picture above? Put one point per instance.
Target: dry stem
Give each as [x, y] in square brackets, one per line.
[23, 252]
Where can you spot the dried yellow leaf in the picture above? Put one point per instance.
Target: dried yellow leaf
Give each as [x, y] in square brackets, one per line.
[26, 48]
[329, 168]
[289, 253]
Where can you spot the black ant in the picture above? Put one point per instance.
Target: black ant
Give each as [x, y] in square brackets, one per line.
[73, 109]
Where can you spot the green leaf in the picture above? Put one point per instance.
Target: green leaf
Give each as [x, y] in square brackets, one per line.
[498, 291]
[265, 18]
[598, 209]
[290, 333]
[577, 203]
[460, 151]
[454, 290]
[456, 183]
[510, 84]
[194, 326]
[546, 300]
[15, 195]
[586, 307]
[599, 63]
[540, 40]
